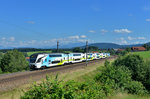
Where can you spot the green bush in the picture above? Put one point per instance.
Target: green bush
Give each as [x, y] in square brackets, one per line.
[146, 82]
[1, 71]
[13, 61]
[140, 69]
[136, 87]
[135, 64]
[117, 77]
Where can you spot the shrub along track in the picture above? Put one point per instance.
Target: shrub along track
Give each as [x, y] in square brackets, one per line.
[13, 80]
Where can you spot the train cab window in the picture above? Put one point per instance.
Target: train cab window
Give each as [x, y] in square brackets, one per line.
[32, 60]
[42, 61]
[39, 60]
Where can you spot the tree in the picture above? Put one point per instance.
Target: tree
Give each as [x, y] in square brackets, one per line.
[25, 54]
[111, 51]
[146, 46]
[136, 65]
[78, 49]
[128, 49]
[13, 61]
[93, 48]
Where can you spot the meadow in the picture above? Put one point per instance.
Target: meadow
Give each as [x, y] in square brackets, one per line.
[144, 54]
[30, 53]
[33, 52]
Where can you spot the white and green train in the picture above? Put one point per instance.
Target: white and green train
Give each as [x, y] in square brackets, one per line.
[43, 60]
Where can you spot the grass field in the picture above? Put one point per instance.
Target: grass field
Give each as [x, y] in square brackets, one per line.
[145, 54]
[30, 53]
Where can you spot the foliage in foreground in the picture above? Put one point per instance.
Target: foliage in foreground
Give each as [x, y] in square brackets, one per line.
[13, 61]
[54, 89]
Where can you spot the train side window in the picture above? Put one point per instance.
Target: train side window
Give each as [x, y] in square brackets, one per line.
[42, 61]
[45, 60]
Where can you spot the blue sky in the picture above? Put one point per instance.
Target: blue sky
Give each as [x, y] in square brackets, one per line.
[40, 23]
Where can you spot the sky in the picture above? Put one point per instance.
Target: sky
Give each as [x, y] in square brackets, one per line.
[40, 23]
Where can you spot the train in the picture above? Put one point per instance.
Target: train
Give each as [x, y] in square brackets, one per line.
[45, 60]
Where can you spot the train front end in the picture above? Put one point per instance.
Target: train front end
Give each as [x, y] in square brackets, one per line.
[36, 61]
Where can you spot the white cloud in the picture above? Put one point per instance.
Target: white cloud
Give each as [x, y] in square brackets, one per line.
[122, 31]
[137, 42]
[136, 38]
[74, 37]
[12, 38]
[141, 38]
[83, 36]
[3, 38]
[148, 20]
[92, 31]
[123, 41]
[146, 8]
[131, 38]
[43, 43]
[103, 31]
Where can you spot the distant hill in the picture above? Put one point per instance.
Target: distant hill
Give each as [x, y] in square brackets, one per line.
[148, 43]
[99, 45]
[111, 45]
[106, 45]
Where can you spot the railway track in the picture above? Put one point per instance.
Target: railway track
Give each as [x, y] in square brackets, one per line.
[10, 81]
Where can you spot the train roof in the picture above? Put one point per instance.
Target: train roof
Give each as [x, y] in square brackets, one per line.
[55, 53]
[75, 53]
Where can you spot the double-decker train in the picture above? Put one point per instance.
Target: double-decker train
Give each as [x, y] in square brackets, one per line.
[43, 60]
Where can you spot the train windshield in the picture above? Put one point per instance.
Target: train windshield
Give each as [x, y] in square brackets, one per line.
[33, 58]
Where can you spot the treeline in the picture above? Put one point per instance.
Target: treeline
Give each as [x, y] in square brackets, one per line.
[24, 49]
[127, 74]
[76, 49]
[147, 47]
